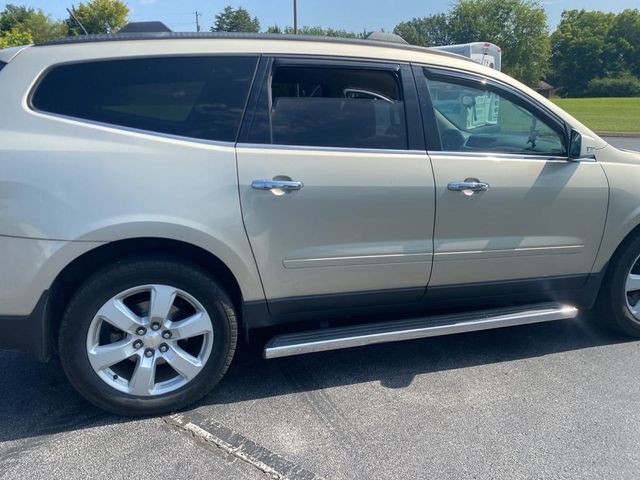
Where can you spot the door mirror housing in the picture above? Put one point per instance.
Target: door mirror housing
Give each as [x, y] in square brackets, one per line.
[581, 147]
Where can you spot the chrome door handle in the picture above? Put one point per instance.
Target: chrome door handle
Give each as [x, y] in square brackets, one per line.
[469, 185]
[284, 185]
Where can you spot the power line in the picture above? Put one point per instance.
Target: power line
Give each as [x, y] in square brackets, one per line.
[76, 19]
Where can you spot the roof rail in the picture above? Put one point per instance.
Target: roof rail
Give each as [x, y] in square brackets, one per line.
[121, 37]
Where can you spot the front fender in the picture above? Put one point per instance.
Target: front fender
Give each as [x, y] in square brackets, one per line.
[623, 174]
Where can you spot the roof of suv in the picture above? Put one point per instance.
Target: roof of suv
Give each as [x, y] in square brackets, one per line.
[115, 37]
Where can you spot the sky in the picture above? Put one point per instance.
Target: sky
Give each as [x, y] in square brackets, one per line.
[354, 15]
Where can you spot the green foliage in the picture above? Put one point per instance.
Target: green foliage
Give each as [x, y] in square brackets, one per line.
[38, 25]
[235, 20]
[578, 49]
[14, 38]
[428, 31]
[317, 31]
[625, 86]
[623, 43]
[99, 16]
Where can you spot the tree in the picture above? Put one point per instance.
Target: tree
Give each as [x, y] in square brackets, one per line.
[14, 38]
[519, 27]
[317, 31]
[235, 20]
[40, 27]
[622, 50]
[578, 49]
[99, 16]
[428, 31]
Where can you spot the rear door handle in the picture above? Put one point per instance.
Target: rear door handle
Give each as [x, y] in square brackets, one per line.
[284, 185]
[469, 185]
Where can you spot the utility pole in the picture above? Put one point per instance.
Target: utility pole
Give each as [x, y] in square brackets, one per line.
[295, 16]
[198, 15]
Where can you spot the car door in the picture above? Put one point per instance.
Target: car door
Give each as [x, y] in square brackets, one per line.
[337, 194]
[512, 211]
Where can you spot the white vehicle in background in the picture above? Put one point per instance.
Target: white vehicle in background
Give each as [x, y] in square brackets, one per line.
[484, 53]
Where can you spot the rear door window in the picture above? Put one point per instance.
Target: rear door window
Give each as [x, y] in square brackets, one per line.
[199, 97]
[332, 106]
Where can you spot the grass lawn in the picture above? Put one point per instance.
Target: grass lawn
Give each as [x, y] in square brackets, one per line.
[604, 114]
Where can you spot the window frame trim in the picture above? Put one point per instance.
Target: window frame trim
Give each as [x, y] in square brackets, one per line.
[31, 108]
[477, 80]
[262, 87]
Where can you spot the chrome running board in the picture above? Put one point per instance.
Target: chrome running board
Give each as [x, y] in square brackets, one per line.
[409, 329]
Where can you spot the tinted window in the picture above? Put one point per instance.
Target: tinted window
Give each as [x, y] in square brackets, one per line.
[480, 120]
[201, 97]
[336, 107]
[2, 64]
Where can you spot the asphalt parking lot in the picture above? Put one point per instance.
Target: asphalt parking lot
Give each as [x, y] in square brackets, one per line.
[556, 400]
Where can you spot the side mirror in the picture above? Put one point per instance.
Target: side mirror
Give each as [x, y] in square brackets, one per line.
[581, 148]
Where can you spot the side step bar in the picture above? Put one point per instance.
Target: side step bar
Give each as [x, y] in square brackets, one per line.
[408, 329]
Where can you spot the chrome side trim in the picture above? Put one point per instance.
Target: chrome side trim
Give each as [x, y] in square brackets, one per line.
[383, 332]
[268, 146]
[494, 156]
[357, 260]
[512, 252]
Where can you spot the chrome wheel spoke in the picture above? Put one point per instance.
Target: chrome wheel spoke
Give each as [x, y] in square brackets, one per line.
[198, 324]
[633, 283]
[119, 315]
[162, 298]
[185, 364]
[143, 378]
[103, 356]
[148, 361]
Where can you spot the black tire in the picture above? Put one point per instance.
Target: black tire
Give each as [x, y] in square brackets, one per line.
[613, 309]
[118, 277]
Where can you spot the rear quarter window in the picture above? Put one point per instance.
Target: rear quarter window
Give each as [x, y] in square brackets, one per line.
[199, 97]
[2, 65]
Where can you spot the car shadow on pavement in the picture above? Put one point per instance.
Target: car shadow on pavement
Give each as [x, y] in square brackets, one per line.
[395, 365]
[38, 401]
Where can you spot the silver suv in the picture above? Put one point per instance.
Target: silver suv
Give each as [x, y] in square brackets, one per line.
[164, 195]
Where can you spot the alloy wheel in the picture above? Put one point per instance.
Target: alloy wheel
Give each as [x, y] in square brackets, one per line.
[150, 340]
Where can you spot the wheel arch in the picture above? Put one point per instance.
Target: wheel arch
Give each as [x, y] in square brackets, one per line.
[78, 270]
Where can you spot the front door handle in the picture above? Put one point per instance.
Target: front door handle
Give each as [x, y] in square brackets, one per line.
[284, 185]
[470, 185]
